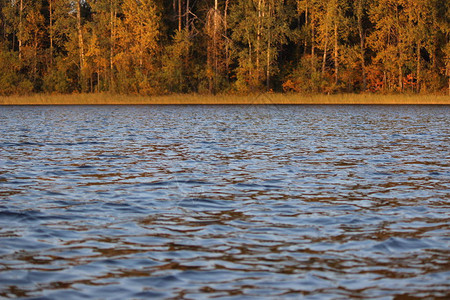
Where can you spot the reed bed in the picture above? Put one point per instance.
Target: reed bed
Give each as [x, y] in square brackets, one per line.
[224, 99]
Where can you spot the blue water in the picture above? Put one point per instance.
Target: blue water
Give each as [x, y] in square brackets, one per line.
[228, 202]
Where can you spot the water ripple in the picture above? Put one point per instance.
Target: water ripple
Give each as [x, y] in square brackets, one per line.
[230, 202]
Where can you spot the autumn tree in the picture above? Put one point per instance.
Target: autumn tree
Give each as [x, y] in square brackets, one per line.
[260, 28]
[218, 45]
[183, 46]
[177, 64]
[360, 11]
[32, 40]
[62, 72]
[389, 41]
[13, 16]
[101, 44]
[137, 43]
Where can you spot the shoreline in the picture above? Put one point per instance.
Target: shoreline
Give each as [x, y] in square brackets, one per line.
[223, 99]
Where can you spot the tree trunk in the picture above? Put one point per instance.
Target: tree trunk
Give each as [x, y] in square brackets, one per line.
[19, 38]
[216, 50]
[363, 64]
[336, 53]
[361, 44]
[313, 41]
[187, 15]
[400, 72]
[418, 68]
[141, 47]
[399, 55]
[179, 15]
[98, 79]
[258, 40]
[447, 72]
[268, 66]
[80, 44]
[268, 52]
[227, 48]
[35, 48]
[91, 79]
[325, 54]
[306, 24]
[112, 44]
[250, 55]
[212, 28]
[50, 9]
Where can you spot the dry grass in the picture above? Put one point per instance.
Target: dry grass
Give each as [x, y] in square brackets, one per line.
[108, 99]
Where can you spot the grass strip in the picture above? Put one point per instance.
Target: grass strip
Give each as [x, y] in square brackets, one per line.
[223, 99]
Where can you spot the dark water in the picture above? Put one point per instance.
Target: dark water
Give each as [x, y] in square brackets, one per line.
[239, 202]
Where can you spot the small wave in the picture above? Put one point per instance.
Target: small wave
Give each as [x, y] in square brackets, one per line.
[156, 183]
[395, 244]
[21, 216]
[201, 203]
[31, 144]
[260, 210]
[199, 182]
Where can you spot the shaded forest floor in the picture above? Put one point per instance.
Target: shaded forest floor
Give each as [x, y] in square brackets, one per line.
[194, 99]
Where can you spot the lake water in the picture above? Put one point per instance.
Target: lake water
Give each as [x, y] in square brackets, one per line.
[229, 202]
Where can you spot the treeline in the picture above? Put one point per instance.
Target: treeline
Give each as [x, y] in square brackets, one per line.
[211, 46]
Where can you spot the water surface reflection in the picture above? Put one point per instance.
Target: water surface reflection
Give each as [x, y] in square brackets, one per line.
[224, 201]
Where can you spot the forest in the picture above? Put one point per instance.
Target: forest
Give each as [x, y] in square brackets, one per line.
[155, 47]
